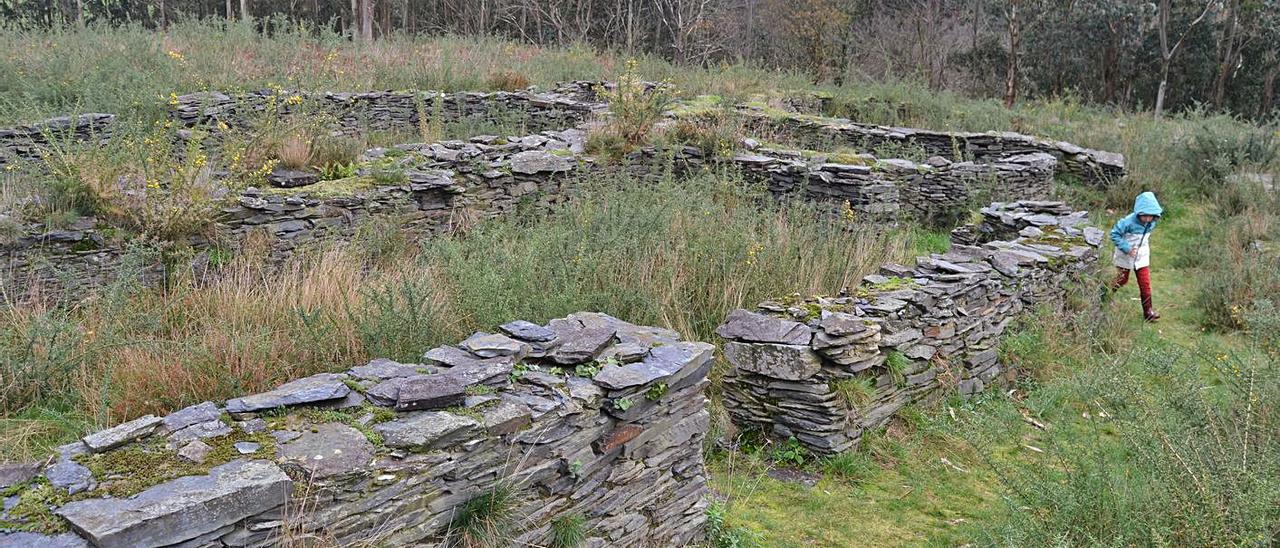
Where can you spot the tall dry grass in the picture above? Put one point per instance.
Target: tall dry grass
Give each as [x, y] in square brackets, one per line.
[676, 254]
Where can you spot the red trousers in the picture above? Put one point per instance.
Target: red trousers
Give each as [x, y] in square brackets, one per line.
[1144, 285]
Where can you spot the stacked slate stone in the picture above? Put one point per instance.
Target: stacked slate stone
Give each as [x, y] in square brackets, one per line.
[23, 143]
[1094, 167]
[823, 370]
[431, 188]
[588, 417]
[1005, 220]
[65, 261]
[441, 185]
[356, 113]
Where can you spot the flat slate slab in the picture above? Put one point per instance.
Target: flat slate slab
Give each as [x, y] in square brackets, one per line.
[749, 326]
[182, 509]
[662, 363]
[121, 434]
[383, 369]
[19, 472]
[582, 345]
[426, 430]
[430, 392]
[37, 540]
[182, 418]
[528, 331]
[779, 361]
[316, 388]
[330, 449]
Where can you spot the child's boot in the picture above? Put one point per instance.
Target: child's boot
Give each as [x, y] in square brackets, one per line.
[1144, 288]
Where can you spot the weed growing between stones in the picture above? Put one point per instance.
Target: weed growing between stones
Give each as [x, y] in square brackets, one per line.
[487, 520]
[790, 453]
[896, 363]
[634, 110]
[569, 531]
[854, 392]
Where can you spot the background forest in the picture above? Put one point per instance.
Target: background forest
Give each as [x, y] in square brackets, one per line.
[1223, 55]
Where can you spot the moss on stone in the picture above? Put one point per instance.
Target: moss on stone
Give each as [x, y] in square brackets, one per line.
[701, 105]
[354, 385]
[133, 469]
[894, 283]
[33, 512]
[306, 418]
[327, 189]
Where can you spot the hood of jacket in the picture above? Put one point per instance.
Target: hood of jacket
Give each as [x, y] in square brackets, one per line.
[1146, 204]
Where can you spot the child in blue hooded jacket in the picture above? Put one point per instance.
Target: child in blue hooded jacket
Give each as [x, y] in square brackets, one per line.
[1132, 237]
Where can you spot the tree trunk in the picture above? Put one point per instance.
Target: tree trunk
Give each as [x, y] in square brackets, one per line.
[1164, 84]
[1229, 54]
[1268, 91]
[230, 15]
[366, 20]
[1011, 68]
[355, 20]
[244, 10]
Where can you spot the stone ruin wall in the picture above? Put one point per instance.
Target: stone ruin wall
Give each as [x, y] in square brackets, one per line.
[824, 370]
[567, 105]
[588, 417]
[22, 144]
[621, 445]
[1093, 167]
[459, 182]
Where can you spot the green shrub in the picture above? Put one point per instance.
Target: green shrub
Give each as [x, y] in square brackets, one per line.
[400, 320]
[1184, 464]
[721, 534]
[1212, 149]
[716, 135]
[789, 453]
[330, 152]
[634, 109]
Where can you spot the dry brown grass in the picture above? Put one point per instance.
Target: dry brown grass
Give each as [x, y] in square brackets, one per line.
[294, 151]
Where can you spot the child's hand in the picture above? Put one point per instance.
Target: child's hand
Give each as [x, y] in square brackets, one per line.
[1133, 252]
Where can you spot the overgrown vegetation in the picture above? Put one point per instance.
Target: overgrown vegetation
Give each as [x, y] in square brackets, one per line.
[1115, 432]
[673, 254]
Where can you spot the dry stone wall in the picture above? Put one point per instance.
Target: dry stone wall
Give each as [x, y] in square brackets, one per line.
[1094, 167]
[823, 370]
[588, 418]
[433, 188]
[22, 144]
[567, 105]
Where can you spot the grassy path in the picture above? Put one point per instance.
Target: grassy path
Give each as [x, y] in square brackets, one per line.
[933, 477]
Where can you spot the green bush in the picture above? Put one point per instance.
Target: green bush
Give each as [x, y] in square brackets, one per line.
[1183, 464]
[1211, 150]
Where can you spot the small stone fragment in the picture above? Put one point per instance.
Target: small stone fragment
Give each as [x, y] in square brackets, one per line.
[196, 451]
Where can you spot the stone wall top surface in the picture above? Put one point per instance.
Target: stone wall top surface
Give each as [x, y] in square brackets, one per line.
[587, 415]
